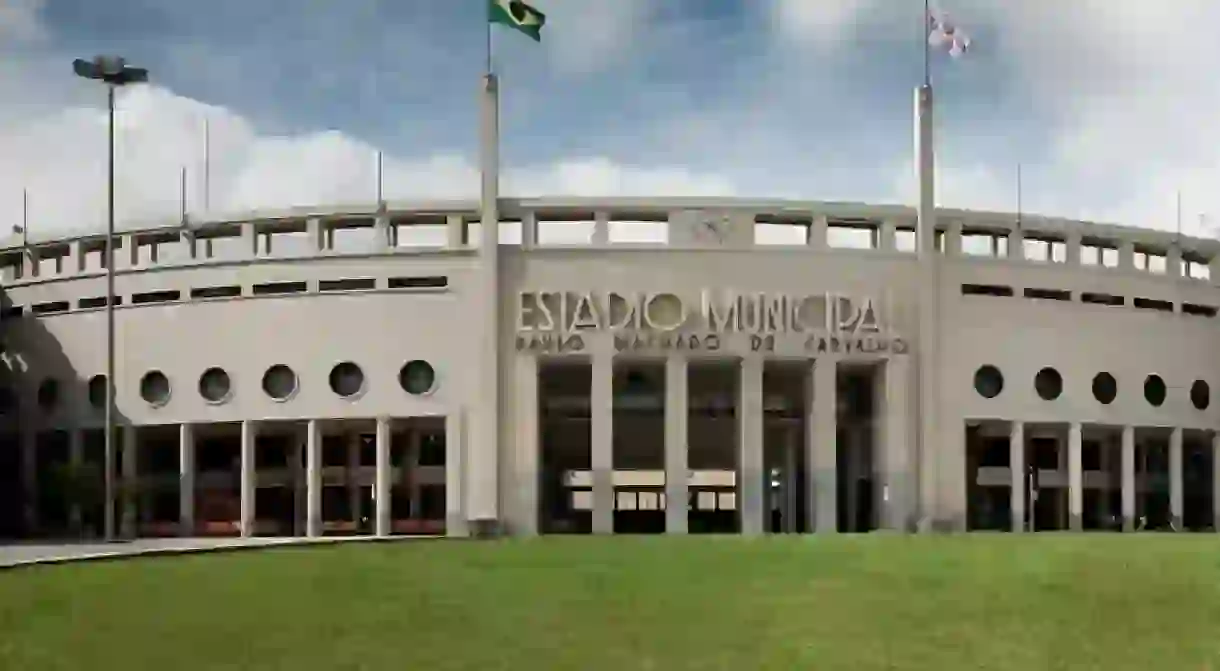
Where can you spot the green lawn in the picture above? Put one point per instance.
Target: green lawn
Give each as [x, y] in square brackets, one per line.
[1030, 603]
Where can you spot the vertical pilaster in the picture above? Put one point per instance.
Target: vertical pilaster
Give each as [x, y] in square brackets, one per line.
[818, 228]
[1175, 478]
[455, 231]
[601, 229]
[1128, 477]
[299, 512]
[186, 480]
[529, 230]
[677, 468]
[382, 481]
[130, 481]
[249, 430]
[313, 479]
[1016, 469]
[455, 472]
[1072, 245]
[1075, 478]
[751, 494]
[354, 498]
[601, 413]
[527, 458]
[896, 461]
[822, 450]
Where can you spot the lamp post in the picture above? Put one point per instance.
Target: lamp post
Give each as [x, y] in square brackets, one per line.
[114, 72]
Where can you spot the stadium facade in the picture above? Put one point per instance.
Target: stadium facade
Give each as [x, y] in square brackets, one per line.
[759, 366]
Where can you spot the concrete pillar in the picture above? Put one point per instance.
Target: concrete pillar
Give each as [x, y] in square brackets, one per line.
[1173, 261]
[601, 414]
[1175, 478]
[1128, 477]
[313, 479]
[887, 235]
[953, 238]
[455, 469]
[750, 462]
[677, 465]
[822, 445]
[29, 479]
[297, 455]
[130, 481]
[601, 229]
[818, 228]
[249, 238]
[1216, 478]
[414, 488]
[186, 480]
[76, 459]
[529, 230]
[897, 478]
[1016, 466]
[1016, 245]
[527, 457]
[1126, 255]
[455, 231]
[1075, 479]
[354, 499]
[382, 482]
[383, 232]
[249, 430]
[1072, 247]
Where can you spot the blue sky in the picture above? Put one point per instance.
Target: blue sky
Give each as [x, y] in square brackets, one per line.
[790, 98]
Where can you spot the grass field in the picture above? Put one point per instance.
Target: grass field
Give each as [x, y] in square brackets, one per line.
[858, 603]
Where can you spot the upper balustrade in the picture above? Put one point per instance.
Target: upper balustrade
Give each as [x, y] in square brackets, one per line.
[451, 226]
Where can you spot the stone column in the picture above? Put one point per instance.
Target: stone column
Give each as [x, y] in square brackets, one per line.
[896, 455]
[455, 470]
[354, 498]
[1016, 468]
[1175, 478]
[29, 479]
[822, 445]
[677, 464]
[130, 481]
[1128, 477]
[382, 482]
[249, 430]
[601, 414]
[313, 479]
[1075, 479]
[527, 456]
[186, 480]
[750, 484]
[297, 455]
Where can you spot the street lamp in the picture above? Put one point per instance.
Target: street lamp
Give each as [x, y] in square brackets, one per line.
[114, 72]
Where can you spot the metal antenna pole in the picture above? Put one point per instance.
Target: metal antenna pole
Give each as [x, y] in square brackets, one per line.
[108, 480]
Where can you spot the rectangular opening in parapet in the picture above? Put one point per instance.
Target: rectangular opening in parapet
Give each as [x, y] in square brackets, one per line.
[216, 292]
[97, 302]
[423, 282]
[769, 230]
[1102, 299]
[1153, 304]
[426, 230]
[1049, 294]
[510, 233]
[1198, 310]
[273, 288]
[1098, 254]
[1149, 261]
[853, 233]
[352, 284]
[1045, 250]
[986, 290]
[155, 297]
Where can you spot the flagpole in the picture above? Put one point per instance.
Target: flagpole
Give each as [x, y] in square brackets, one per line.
[926, 370]
[482, 500]
[25, 217]
[207, 165]
[182, 196]
[927, 48]
[1019, 195]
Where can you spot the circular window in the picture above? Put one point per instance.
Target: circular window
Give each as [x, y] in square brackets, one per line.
[1200, 395]
[97, 391]
[214, 385]
[154, 388]
[280, 382]
[1105, 388]
[48, 393]
[988, 381]
[1048, 383]
[346, 379]
[417, 377]
[1154, 390]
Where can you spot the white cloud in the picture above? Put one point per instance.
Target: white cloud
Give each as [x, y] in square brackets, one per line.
[820, 23]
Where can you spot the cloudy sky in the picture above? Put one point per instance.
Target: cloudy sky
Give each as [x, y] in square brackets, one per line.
[1110, 106]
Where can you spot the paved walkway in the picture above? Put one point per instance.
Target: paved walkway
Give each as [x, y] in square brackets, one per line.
[26, 554]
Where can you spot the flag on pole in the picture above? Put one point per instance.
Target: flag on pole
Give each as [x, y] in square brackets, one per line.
[945, 35]
[518, 15]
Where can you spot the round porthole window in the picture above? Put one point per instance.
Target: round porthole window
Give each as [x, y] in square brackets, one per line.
[417, 377]
[346, 379]
[280, 382]
[1200, 395]
[154, 388]
[988, 381]
[97, 391]
[48, 394]
[1048, 383]
[215, 385]
[1105, 388]
[1154, 390]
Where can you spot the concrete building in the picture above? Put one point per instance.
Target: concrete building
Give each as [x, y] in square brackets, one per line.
[672, 365]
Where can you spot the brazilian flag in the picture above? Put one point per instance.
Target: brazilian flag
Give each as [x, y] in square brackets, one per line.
[518, 15]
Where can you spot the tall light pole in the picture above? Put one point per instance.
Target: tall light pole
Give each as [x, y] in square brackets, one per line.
[114, 72]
